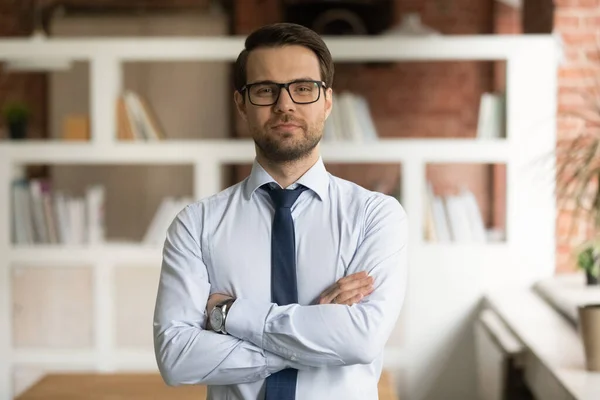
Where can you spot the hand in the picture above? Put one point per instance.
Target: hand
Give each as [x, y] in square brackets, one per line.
[348, 290]
[213, 300]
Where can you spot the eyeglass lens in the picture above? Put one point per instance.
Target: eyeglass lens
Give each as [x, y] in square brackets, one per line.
[268, 93]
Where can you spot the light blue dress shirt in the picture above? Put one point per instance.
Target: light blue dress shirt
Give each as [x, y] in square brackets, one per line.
[222, 244]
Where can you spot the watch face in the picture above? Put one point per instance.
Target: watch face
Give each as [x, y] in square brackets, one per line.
[216, 318]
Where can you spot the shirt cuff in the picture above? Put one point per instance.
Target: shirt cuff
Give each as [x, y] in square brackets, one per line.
[275, 363]
[246, 320]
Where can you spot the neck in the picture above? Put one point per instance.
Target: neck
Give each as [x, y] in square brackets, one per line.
[286, 173]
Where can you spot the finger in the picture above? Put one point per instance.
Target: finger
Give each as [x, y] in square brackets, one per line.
[344, 296]
[365, 290]
[353, 300]
[328, 298]
[355, 284]
[341, 290]
[327, 295]
[347, 283]
[354, 276]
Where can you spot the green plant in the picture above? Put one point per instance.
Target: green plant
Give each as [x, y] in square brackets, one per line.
[588, 259]
[16, 112]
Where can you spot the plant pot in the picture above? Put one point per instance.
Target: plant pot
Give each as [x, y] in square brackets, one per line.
[589, 330]
[590, 279]
[17, 130]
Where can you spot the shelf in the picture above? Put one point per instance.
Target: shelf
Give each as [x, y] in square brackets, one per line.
[566, 292]
[356, 48]
[126, 254]
[237, 151]
[557, 359]
[482, 254]
[50, 255]
[456, 248]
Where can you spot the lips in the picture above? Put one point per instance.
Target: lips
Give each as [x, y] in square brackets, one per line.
[286, 126]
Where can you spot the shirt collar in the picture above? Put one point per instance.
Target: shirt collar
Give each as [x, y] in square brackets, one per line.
[316, 179]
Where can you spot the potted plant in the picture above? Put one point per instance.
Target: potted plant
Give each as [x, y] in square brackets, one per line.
[578, 180]
[16, 115]
[588, 260]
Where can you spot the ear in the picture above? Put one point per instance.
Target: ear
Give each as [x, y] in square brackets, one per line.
[240, 104]
[328, 101]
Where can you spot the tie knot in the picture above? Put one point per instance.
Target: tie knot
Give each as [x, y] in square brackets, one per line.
[284, 198]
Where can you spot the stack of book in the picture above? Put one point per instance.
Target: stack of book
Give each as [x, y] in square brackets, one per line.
[350, 120]
[453, 218]
[42, 216]
[136, 120]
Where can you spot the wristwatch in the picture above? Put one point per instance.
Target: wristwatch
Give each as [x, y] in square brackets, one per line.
[218, 315]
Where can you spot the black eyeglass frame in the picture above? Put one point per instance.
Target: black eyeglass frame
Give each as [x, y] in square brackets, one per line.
[286, 86]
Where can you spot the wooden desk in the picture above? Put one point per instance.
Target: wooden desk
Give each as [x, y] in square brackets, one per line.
[134, 387]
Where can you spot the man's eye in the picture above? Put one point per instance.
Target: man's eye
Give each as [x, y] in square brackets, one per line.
[303, 89]
[264, 90]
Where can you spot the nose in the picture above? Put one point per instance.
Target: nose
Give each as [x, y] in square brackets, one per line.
[285, 102]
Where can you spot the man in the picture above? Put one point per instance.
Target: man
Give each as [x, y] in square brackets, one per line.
[288, 284]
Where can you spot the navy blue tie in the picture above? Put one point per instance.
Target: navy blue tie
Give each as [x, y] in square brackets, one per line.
[284, 290]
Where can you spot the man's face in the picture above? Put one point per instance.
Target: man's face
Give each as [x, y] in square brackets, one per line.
[284, 131]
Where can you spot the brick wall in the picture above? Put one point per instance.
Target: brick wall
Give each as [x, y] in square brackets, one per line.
[578, 22]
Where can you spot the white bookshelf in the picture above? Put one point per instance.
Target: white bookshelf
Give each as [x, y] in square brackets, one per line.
[446, 279]
[242, 150]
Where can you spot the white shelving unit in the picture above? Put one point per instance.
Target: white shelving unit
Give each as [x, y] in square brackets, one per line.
[446, 280]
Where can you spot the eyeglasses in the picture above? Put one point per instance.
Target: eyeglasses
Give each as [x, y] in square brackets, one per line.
[267, 93]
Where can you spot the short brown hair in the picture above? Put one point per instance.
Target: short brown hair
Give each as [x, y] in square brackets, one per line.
[282, 34]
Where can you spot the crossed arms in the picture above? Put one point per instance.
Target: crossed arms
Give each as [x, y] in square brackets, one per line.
[263, 337]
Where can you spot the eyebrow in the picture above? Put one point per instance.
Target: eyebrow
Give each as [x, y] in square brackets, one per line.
[304, 78]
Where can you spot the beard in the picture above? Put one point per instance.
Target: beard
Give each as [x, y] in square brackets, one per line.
[287, 146]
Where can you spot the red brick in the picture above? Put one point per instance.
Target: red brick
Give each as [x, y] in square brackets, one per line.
[579, 38]
[593, 55]
[567, 124]
[587, 113]
[574, 55]
[564, 224]
[578, 73]
[565, 266]
[507, 20]
[577, 3]
[591, 21]
[567, 22]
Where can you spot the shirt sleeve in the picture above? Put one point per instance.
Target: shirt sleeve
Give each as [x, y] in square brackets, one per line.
[186, 353]
[334, 334]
